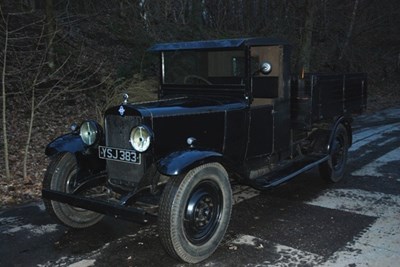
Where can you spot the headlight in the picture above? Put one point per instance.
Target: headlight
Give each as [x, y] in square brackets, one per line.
[89, 132]
[140, 138]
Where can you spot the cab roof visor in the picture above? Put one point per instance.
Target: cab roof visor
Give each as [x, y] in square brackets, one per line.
[216, 44]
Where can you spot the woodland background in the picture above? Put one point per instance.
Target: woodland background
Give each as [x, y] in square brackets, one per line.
[63, 61]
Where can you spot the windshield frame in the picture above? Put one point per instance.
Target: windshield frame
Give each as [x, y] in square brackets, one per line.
[241, 53]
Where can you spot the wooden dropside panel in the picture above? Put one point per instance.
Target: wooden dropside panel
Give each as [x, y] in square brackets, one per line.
[355, 92]
[327, 96]
[337, 95]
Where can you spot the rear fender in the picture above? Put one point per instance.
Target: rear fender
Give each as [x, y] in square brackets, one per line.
[347, 124]
[323, 138]
[180, 162]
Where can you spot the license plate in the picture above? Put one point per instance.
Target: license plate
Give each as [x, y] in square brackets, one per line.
[117, 154]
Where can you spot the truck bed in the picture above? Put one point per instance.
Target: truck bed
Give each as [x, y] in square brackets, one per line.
[320, 97]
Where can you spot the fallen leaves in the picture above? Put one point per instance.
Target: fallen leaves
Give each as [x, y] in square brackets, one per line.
[50, 122]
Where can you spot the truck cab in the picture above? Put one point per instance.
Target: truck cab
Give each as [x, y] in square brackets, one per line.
[228, 110]
[233, 69]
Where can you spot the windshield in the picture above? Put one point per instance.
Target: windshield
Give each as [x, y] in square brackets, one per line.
[204, 67]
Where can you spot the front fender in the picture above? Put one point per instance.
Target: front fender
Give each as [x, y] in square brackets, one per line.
[66, 143]
[88, 161]
[181, 161]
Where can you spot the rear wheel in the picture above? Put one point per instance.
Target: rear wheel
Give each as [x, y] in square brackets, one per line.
[333, 169]
[61, 176]
[194, 212]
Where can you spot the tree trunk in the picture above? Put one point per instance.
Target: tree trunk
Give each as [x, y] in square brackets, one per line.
[122, 9]
[350, 30]
[306, 39]
[4, 110]
[28, 5]
[28, 139]
[51, 27]
[196, 15]
[398, 64]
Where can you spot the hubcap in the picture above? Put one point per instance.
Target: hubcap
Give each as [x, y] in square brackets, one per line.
[71, 184]
[203, 212]
[338, 153]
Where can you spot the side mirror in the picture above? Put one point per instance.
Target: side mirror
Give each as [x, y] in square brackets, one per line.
[265, 68]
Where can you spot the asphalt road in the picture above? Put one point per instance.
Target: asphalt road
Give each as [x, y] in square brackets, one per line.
[306, 222]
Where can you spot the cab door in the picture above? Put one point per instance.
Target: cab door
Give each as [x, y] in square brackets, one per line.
[260, 135]
[269, 120]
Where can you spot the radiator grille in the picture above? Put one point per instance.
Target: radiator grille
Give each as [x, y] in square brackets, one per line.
[117, 129]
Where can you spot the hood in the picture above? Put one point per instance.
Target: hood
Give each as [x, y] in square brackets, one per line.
[177, 106]
[174, 120]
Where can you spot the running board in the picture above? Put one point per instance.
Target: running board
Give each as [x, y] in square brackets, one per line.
[283, 175]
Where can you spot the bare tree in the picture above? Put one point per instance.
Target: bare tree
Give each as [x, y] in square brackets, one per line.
[29, 5]
[350, 29]
[67, 81]
[30, 72]
[4, 98]
[307, 34]
[51, 28]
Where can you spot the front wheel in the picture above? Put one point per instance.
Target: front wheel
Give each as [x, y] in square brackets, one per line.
[194, 212]
[333, 169]
[61, 176]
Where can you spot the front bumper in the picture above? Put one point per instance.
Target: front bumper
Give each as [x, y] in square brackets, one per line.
[101, 206]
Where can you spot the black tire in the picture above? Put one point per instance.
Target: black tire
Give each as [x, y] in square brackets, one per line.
[194, 212]
[61, 176]
[333, 169]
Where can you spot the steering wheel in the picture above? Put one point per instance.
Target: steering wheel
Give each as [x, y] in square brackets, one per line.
[192, 76]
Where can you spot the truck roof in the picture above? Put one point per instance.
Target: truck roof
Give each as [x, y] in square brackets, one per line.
[217, 44]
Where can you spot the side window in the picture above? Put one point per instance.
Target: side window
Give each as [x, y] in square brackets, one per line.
[226, 67]
[238, 65]
[267, 86]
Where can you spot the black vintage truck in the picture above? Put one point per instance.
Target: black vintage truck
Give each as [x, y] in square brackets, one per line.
[228, 110]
